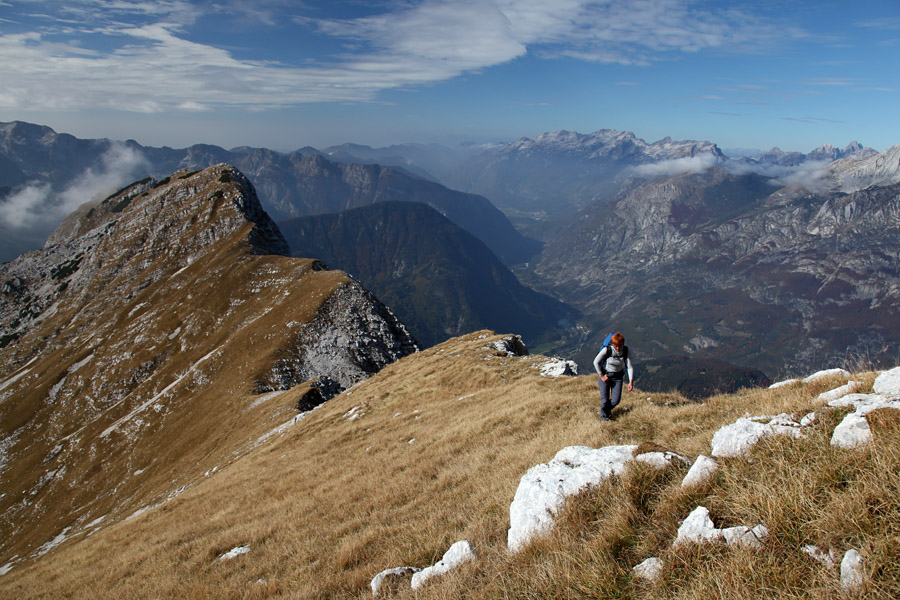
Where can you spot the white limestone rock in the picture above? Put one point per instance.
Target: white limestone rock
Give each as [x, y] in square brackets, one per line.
[698, 527]
[558, 367]
[458, 553]
[649, 569]
[701, 471]
[783, 383]
[395, 573]
[848, 388]
[544, 488]
[887, 384]
[738, 438]
[852, 573]
[825, 374]
[745, 536]
[826, 558]
[854, 431]
[235, 552]
[854, 400]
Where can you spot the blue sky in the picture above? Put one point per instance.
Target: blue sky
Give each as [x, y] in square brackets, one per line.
[281, 74]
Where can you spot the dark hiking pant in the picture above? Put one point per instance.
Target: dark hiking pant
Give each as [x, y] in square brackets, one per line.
[610, 395]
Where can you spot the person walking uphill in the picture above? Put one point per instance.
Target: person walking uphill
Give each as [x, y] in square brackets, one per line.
[611, 364]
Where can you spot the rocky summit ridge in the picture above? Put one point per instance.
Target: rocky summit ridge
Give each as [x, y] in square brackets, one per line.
[158, 335]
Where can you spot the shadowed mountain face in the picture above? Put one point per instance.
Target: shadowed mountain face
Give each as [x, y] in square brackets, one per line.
[302, 185]
[136, 343]
[439, 279]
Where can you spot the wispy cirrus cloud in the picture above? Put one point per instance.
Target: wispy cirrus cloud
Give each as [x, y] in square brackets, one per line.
[88, 53]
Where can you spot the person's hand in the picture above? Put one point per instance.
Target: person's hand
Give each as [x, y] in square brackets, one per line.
[604, 378]
[630, 386]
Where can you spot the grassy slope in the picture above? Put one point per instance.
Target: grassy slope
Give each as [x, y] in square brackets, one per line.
[436, 457]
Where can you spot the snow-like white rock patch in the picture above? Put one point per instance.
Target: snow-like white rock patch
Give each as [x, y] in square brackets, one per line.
[458, 553]
[852, 573]
[396, 572]
[738, 438]
[825, 374]
[700, 472]
[887, 384]
[783, 383]
[649, 569]
[836, 393]
[558, 367]
[699, 527]
[854, 431]
[235, 552]
[544, 488]
[826, 558]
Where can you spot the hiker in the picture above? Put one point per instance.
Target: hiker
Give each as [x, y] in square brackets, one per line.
[611, 363]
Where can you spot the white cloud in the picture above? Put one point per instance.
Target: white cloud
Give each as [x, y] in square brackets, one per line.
[812, 176]
[37, 206]
[118, 54]
[678, 166]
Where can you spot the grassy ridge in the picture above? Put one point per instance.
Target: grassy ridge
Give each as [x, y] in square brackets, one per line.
[444, 437]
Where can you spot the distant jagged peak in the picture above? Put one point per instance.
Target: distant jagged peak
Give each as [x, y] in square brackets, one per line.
[610, 144]
[829, 152]
[824, 153]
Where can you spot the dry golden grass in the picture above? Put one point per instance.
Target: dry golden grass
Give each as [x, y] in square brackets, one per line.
[444, 438]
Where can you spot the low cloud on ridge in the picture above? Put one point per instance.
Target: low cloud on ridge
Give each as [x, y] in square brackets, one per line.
[687, 165]
[36, 207]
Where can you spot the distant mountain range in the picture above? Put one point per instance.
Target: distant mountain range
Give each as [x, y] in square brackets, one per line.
[300, 183]
[769, 263]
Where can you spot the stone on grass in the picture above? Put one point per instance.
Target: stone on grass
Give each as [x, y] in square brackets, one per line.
[852, 573]
[783, 383]
[738, 438]
[558, 367]
[848, 388]
[816, 553]
[854, 431]
[649, 569]
[391, 574]
[701, 471]
[698, 527]
[826, 373]
[235, 552]
[544, 488]
[887, 384]
[458, 553]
